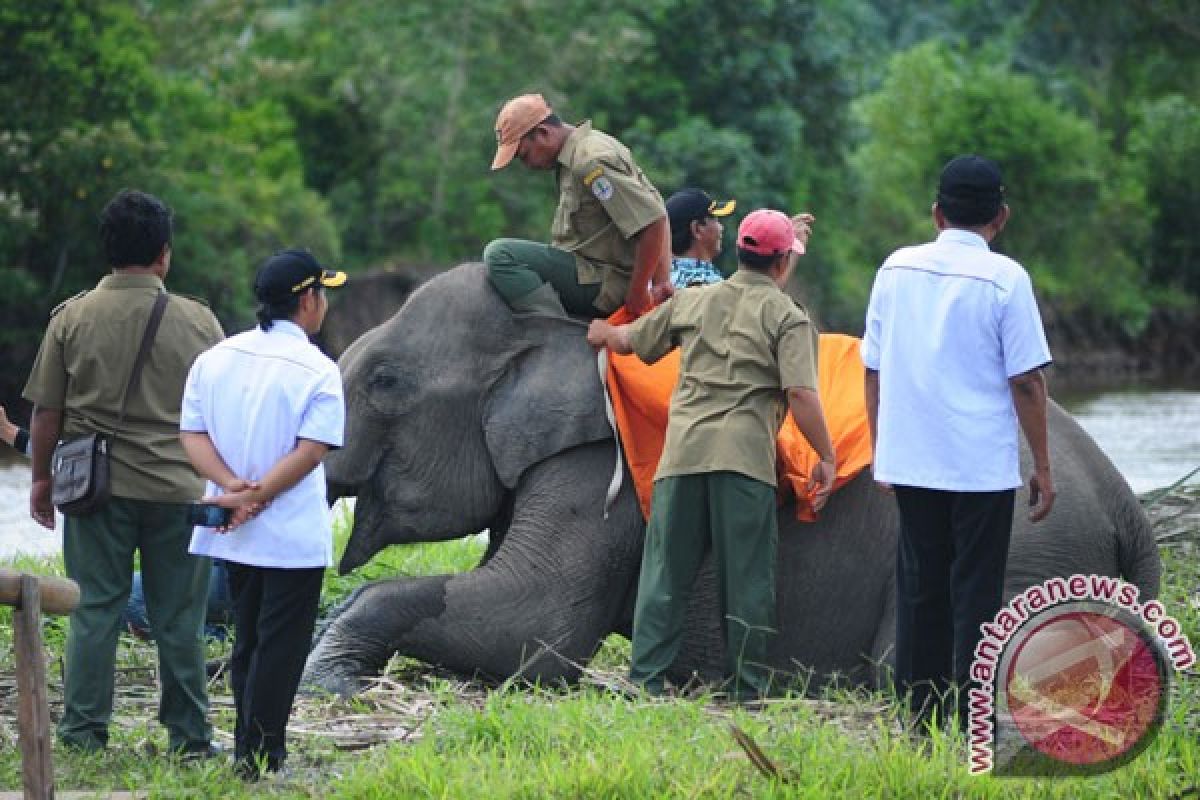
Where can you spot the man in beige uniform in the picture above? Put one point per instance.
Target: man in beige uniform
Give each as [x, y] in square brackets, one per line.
[609, 244]
[745, 347]
[76, 387]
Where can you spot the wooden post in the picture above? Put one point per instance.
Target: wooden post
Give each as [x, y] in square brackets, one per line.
[33, 716]
[24, 592]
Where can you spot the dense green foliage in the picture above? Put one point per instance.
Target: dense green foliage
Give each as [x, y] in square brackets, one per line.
[363, 130]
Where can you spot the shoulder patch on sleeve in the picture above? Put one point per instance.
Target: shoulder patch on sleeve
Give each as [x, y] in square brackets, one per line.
[592, 176]
[603, 189]
[66, 302]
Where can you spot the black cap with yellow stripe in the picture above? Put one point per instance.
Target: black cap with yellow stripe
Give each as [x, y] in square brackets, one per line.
[290, 272]
[695, 204]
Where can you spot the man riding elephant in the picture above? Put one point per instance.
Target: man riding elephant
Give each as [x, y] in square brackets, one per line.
[610, 234]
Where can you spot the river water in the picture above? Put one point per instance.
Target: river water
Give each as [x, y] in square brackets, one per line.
[1153, 437]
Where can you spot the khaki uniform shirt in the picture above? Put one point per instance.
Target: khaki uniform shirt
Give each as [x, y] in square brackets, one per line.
[743, 342]
[604, 200]
[83, 367]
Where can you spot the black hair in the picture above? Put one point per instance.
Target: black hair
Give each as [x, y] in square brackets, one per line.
[682, 238]
[755, 261]
[553, 120]
[268, 312]
[134, 228]
[970, 212]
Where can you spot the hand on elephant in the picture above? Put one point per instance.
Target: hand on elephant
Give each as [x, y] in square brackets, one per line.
[597, 333]
[823, 476]
[602, 334]
[1041, 493]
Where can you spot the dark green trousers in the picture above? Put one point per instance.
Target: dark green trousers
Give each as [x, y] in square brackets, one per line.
[98, 552]
[734, 516]
[518, 268]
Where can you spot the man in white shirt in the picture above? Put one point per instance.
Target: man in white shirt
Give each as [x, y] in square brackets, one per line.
[260, 410]
[954, 350]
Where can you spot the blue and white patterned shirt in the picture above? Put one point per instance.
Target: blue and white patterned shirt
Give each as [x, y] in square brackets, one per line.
[687, 271]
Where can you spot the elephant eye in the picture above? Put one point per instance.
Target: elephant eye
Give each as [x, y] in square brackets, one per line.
[388, 390]
[383, 381]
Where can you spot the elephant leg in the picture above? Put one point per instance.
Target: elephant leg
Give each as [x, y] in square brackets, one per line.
[883, 651]
[361, 635]
[473, 623]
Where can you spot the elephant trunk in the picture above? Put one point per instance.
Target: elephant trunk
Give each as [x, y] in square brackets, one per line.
[355, 555]
[334, 491]
[366, 537]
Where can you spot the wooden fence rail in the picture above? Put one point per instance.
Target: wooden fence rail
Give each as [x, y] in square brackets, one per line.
[30, 595]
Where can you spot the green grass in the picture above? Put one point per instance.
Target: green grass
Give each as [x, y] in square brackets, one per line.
[586, 742]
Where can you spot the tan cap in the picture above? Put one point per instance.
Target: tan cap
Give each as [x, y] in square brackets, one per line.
[518, 117]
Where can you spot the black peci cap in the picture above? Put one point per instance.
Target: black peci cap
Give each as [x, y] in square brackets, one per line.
[971, 190]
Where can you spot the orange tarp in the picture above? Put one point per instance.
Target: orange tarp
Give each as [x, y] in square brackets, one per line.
[641, 396]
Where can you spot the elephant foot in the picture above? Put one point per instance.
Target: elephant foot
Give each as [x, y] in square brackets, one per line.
[344, 656]
[332, 667]
[363, 634]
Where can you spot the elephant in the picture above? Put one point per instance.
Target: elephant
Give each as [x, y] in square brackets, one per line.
[462, 416]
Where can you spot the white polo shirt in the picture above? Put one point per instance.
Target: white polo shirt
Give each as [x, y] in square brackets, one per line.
[255, 394]
[948, 323]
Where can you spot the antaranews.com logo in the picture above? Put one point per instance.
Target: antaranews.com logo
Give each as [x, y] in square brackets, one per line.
[1073, 677]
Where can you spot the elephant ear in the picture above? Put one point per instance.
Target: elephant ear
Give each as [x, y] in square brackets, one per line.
[549, 398]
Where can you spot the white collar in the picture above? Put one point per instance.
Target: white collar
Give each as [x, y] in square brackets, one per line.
[963, 236]
[288, 328]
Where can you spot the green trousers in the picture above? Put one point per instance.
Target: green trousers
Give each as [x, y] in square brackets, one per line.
[519, 268]
[98, 552]
[734, 516]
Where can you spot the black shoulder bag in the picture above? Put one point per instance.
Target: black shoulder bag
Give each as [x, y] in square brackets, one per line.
[81, 483]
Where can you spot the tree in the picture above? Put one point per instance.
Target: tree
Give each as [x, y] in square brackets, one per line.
[1078, 221]
[87, 113]
[1165, 147]
[76, 83]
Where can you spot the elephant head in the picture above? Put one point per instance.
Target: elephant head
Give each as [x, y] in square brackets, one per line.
[449, 403]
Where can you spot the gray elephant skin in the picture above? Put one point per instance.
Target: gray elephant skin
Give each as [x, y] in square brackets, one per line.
[463, 418]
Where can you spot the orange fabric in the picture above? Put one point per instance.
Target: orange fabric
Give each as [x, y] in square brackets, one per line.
[641, 397]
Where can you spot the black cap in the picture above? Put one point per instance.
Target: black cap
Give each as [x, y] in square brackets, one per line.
[290, 272]
[971, 190]
[692, 204]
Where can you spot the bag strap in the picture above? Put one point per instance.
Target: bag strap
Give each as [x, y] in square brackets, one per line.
[156, 315]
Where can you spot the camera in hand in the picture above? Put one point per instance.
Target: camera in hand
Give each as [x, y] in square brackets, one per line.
[209, 515]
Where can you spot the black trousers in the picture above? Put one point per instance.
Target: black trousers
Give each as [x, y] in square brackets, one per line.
[950, 562]
[274, 613]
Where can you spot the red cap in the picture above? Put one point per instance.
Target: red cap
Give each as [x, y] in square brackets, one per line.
[767, 232]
